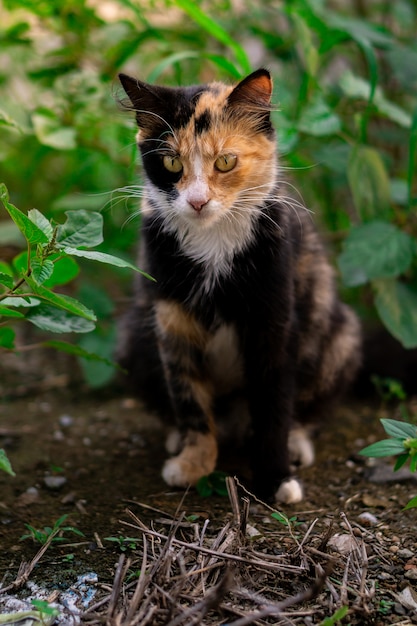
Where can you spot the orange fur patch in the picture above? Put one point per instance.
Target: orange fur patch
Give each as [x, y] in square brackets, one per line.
[172, 319]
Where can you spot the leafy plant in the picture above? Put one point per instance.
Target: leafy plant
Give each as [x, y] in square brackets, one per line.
[389, 388]
[336, 617]
[124, 543]
[402, 443]
[283, 519]
[54, 534]
[213, 484]
[5, 465]
[27, 285]
[45, 609]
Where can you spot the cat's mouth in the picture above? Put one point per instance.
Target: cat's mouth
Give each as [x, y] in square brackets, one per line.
[205, 215]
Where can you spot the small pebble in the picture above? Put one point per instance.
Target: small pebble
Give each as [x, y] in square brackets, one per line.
[66, 420]
[54, 482]
[411, 574]
[404, 553]
[129, 403]
[367, 519]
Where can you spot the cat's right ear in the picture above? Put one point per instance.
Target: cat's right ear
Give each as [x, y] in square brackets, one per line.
[148, 101]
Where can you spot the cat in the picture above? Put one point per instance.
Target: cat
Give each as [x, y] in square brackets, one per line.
[242, 321]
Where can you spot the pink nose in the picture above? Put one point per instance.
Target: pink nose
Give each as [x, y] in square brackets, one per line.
[198, 203]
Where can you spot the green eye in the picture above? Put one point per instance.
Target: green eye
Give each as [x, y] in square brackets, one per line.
[172, 164]
[226, 162]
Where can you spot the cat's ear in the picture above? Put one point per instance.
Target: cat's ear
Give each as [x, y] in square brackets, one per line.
[149, 102]
[255, 91]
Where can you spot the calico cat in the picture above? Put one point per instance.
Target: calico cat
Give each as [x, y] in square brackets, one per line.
[242, 321]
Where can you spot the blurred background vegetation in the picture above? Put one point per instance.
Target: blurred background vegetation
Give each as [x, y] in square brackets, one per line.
[345, 75]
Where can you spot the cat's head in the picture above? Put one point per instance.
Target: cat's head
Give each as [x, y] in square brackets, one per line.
[208, 151]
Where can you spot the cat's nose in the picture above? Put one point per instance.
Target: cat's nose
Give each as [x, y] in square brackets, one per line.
[198, 203]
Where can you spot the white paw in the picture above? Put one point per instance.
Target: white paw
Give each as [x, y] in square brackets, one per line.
[289, 492]
[173, 443]
[301, 448]
[197, 458]
[174, 473]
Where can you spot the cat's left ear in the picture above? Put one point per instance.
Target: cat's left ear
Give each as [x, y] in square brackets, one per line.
[254, 90]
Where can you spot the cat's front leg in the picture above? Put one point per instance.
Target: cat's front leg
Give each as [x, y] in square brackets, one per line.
[181, 342]
[271, 390]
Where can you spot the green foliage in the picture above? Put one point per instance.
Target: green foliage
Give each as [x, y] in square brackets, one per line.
[5, 465]
[213, 484]
[336, 617]
[283, 519]
[45, 609]
[389, 388]
[22, 285]
[346, 86]
[54, 534]
[123, 543]
[402, 443]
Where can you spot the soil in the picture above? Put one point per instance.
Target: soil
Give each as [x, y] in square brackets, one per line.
[104, 453]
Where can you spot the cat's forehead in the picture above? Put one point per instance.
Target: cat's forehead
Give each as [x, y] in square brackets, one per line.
[207, 118]
[211, 103]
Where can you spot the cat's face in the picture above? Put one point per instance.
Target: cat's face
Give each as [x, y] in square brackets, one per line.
[208, 151]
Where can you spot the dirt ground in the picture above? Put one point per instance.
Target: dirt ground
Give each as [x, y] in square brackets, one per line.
[93, 455]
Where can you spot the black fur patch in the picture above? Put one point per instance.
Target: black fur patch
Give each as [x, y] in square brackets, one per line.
[202, 123]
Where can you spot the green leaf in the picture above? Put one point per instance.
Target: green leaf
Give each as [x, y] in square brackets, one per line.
[218, 60]
[358, 29]
[20, 301]
[411, 505]
[396, 304]
[103, 257]
[6, 280]
[82, 228]
[65, 270]
[280, 517]
[397, 429]
[99, 371]
[5, 465]
[50, 132]
[41, 270]
[336, 617]
[375, 250]
[413, 463]
[5, 267]
[215, 30]
[356, 87]
[386, 447]
[32, 233]
[6, 120]
[57, 320]
[7, 337]
[62, 301]
[401, 460]
[204, 487]
[369, 183]
[75, 350]
[318, 119]
[412, 158]
[6, 312]
[218, 482]
[41, 222]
